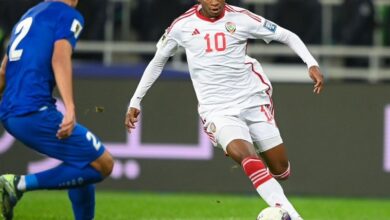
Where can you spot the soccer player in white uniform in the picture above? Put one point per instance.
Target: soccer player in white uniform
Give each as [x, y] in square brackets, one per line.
[234, 94]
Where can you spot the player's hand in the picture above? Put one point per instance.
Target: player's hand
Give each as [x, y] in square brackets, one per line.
[318, 79]
[131, 118]
[67, 125]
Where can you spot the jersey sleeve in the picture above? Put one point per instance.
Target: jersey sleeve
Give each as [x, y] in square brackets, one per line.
[166, 47]
[69, 27]
[151, 73]
[169, 43]
[260, 28]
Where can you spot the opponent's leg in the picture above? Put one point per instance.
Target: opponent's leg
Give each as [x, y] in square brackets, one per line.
[83, 198]
[9, 195]
[85, 159]
[66, 176]
[63, 176]
[83, 202]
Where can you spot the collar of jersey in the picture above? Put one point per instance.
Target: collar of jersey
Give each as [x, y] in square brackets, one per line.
[209, 19]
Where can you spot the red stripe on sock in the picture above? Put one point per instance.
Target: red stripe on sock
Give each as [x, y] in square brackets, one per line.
[255, 169]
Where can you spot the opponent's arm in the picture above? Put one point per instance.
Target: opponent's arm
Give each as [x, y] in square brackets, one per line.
[62, 67]
[295, 43]
[2, 74]
[151, 73]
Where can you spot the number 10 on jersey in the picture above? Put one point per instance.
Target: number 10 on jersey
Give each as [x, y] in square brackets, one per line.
[216, 42]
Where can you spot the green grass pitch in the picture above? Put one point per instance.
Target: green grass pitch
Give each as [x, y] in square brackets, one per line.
[45, 205]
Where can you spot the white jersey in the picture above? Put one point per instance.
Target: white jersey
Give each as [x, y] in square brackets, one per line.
[224, 77]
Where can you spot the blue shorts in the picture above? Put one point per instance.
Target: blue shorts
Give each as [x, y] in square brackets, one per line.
[38, 131]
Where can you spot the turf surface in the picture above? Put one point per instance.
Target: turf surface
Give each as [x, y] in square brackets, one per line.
[159, 206]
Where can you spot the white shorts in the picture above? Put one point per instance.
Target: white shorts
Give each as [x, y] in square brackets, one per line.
[255, 125]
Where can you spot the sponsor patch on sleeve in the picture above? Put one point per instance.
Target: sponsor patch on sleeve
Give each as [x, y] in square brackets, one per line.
[76, 28]
[270, 26]
[163, 40]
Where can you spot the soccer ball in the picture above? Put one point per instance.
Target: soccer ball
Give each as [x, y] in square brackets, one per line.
[273, 213]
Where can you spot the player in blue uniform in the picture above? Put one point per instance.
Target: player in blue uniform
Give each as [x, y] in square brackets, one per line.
[38, 59]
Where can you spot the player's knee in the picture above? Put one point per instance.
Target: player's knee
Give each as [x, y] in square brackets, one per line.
[104, 164]
[238, 150]
[282, 173]
[108, 166]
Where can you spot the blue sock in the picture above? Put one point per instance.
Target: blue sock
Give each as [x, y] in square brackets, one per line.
[63, 177]
[83, 202]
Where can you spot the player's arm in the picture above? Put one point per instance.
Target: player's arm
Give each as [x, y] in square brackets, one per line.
[151, 73]
[269, 31]
[62, 67]
[2, 74]
[166, 47]
[296, 44]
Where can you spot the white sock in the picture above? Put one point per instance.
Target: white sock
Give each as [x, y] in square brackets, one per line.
[22, 184]
[273, 194]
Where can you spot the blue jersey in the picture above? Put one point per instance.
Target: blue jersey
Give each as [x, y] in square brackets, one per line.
[29, 75]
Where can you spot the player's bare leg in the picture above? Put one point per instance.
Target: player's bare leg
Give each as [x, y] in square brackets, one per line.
[238, 150]
[104, 164]
[268, 188]
[277, 162]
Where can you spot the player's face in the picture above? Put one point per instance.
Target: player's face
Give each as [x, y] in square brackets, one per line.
[212, 8]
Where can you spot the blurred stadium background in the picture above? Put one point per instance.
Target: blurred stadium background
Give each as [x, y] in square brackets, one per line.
[338, 142]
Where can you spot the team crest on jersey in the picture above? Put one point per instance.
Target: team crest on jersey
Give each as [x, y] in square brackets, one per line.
[230, 27]
[213, 128]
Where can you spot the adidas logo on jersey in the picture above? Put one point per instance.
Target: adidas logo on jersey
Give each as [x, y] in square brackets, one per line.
[195, 32]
